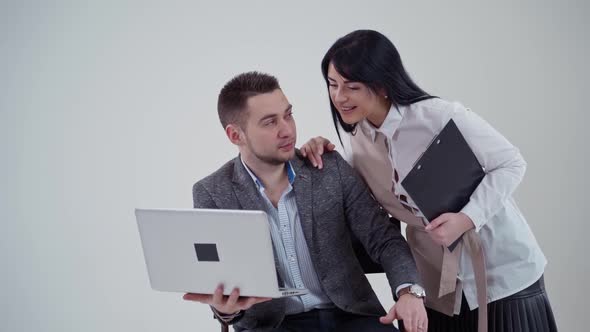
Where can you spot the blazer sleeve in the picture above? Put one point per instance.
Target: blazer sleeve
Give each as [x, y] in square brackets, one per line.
[382, 240]
[202, 198]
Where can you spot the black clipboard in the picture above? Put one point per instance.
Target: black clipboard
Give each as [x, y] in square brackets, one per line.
[444, 177]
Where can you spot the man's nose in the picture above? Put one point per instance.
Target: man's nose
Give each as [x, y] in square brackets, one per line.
[287, 128]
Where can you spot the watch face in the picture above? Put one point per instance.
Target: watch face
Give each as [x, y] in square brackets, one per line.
[417, 290]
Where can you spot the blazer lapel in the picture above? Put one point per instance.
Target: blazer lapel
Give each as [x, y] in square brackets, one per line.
[245, 189]
[302, 187]
[249, 198]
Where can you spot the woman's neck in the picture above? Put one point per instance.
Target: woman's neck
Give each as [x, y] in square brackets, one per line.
[378, 115]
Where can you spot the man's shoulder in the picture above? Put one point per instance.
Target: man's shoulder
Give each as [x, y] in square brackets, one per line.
[334, 167]
[333, 157]
[218, 179]
[330, 159]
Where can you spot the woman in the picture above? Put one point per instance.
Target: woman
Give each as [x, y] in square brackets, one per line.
[384, 122]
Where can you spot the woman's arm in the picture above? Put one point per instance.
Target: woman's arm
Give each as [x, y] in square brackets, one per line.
[502, 161]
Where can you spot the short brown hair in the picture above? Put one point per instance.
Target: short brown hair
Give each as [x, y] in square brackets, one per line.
[234, 95]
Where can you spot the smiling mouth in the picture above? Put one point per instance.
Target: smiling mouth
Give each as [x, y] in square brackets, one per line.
[347, 109]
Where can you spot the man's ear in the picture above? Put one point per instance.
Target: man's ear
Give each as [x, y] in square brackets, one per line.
[235, 134]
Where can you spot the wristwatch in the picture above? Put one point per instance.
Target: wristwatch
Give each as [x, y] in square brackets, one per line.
[414, 289]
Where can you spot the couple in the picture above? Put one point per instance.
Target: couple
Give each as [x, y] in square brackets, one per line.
[318, 206]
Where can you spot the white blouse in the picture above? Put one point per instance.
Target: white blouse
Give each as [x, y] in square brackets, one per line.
[514, 260]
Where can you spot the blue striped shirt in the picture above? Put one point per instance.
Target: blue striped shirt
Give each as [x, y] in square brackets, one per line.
[291, 252]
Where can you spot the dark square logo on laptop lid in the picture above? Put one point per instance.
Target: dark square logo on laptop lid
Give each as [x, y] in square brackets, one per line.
[206, 252]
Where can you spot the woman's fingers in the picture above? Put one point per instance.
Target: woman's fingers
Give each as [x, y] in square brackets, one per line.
[437, 221]
[315, 148]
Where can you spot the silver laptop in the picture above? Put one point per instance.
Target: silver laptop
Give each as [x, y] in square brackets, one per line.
[194, 250]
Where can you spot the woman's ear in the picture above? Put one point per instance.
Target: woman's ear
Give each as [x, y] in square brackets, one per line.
[381, 92]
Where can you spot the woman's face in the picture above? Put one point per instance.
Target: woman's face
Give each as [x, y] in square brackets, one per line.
[353, 100]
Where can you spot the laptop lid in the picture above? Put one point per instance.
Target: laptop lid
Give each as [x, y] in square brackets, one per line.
[193, 250]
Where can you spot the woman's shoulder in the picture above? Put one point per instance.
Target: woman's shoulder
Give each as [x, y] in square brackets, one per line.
[434, 110]
[433, 113]
[438, 105]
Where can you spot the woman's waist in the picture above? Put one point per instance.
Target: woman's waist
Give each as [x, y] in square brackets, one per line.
[500, 254]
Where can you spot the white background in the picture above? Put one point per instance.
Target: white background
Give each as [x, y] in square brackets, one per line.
[110, 105]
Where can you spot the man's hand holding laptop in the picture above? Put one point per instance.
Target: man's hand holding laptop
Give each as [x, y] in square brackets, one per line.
[226, 305]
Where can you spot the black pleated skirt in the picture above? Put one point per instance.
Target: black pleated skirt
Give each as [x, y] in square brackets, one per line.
[527, 310]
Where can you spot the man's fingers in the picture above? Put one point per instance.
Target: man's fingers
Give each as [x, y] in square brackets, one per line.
[423, 325]
[390, 317]
[331, 147]
[217, 299]
[233, 298]
[232, 303]
[416, 322]
[203, 298]
[386, 319]
[410, 324]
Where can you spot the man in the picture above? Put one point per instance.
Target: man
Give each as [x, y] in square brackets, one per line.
[312, 216]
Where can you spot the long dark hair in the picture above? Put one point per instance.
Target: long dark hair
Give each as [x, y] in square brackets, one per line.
[368, 57]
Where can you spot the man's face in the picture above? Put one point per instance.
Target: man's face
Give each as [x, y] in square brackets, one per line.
[269, 131]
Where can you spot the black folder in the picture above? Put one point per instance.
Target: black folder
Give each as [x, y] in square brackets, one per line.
[444, 177]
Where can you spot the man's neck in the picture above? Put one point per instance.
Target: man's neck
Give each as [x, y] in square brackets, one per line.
[272, 176]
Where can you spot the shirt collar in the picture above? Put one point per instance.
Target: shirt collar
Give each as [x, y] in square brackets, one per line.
[290, 174]
[389, 125]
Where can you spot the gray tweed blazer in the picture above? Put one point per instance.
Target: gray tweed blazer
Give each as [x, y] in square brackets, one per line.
[335, 208]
